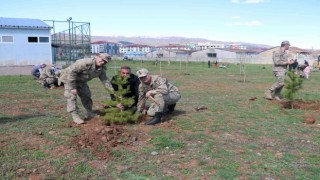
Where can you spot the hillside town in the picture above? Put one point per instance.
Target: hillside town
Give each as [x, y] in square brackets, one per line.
[159, 90]
[45, 45]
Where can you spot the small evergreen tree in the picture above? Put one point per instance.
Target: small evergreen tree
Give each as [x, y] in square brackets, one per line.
[113, 113]
[293, 85]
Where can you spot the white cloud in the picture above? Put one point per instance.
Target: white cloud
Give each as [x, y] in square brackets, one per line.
[249, 23]
[235, 17]
[247, 1]
[253, 1]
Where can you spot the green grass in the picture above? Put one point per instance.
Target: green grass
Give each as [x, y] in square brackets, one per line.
[233, 138]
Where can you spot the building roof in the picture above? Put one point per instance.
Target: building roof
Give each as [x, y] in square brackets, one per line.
[317, 52]
[298, 50]
[135, 45]
[135, 53]
[291, 48]
[241, 50]
[173, 46]
[23, 23]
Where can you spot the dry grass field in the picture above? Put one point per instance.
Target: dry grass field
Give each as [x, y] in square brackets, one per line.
[222, 128]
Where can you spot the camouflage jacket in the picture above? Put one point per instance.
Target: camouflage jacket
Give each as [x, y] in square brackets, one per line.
[82, 71]
[158, 85]
[280, 60]
[47, 72]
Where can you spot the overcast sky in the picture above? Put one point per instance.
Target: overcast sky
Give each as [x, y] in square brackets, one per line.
[254, 21]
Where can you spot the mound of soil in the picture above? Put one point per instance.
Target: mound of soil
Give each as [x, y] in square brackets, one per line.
[102, 139]
[300, 104]
[310, 119]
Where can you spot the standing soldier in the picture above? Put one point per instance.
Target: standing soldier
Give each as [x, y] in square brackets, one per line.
[164, 94]
[315, 67]
[280, 63]
[75, 79]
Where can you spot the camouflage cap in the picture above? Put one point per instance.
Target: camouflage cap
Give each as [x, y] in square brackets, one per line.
[104, 56]
[142, 73]
[285, 43]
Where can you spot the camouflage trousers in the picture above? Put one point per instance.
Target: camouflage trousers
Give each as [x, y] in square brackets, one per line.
[51, 80]
[280, 77]
[84, 94]
[48, 80]
[163, 101]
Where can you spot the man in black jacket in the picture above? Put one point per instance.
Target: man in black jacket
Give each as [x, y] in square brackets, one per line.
[133, 82]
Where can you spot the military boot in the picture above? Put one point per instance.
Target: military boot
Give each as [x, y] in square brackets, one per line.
[90, 114]
[46, 85]
[277, 95]
[155, 120]
[268, 94]
[76, 118]
[171, 108]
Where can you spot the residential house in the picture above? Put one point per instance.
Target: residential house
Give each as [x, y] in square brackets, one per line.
[174, 47]
[125, 49]
[105, 47]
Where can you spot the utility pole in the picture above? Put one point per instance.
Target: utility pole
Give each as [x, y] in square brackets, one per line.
[69, 21]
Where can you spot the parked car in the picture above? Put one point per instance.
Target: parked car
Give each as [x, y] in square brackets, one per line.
[126, 58]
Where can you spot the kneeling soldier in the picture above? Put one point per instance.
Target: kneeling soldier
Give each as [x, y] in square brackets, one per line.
[164, 94]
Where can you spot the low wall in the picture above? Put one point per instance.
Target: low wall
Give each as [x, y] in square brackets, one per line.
[19, 70]
[15, 70]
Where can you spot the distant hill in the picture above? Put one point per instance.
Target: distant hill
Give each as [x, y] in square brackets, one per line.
[158, 41]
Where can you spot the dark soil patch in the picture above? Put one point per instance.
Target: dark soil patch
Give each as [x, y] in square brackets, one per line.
[242, 81]
[103, 138]
[310, 119]
[300, 104]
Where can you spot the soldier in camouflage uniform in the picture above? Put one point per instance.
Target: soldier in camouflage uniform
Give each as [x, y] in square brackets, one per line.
[37, 69]
[164, 94]
[280, 61]
[48, 77]
[75, 79]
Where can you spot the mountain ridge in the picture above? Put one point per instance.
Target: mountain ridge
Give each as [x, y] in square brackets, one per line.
[165, 40]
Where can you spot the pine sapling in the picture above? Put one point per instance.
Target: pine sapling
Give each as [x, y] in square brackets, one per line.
[113, 113]
[293, 85]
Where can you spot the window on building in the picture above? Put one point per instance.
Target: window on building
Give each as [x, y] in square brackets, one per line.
[43, 39]
[32, 39]
[212, 55]
[160, 55]
[6, 39]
